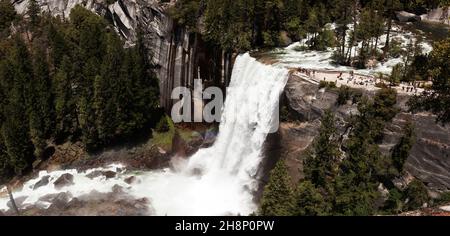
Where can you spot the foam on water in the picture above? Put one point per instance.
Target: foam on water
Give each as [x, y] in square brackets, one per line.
[322, 60]
[220, 180]
[83, 185]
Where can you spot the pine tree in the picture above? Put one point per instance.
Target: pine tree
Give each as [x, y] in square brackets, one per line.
[15, 129]
[57, 44]
[85, 104]
[343, 16]
[417, 194]
[437, 99]
[6, 170]
[7, 14]
[390, 7]
[294, 12]
[5, 166]
[395, 202]
[321, 163]
[15, 134]
[309, 201]
[278, 197]
[41, 110]
[106, 90]
[65, 102]
[401, 151]
[272, 27]
[33, 12]
[312, 26]
[145, 85]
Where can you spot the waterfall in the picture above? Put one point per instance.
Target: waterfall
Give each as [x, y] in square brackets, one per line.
[222, 179]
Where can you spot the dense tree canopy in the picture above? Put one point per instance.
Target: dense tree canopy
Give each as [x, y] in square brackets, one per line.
[246, 24]
[278, 194]
[69, 80]
[437, 98]
[7, 14]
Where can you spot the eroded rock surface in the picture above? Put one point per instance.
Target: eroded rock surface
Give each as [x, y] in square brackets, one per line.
[64, 180]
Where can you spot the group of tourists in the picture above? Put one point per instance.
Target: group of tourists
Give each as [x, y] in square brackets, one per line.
[360, 80]
[307, 72]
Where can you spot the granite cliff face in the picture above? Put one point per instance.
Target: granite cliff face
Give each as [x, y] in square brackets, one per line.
[180, 56]
[429, 158]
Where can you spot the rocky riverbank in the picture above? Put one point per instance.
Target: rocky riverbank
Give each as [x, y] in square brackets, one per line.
[63, 184]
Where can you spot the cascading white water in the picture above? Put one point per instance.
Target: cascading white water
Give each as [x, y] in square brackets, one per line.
[228, 168]
[222, 179]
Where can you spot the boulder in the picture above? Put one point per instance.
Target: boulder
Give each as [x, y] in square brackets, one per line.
[117, 189]
[64, 180]
[19, 202]
[61, 200]
[108, 174]
[130, 180]
[48, 197]
[404, 16]
[44, 181]
[94, 174]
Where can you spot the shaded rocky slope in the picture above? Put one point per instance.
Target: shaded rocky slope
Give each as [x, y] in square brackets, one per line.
[429, 159]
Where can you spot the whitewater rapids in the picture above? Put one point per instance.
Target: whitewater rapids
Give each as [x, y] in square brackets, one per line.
[220, 180]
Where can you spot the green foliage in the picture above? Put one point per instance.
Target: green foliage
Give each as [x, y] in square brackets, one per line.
[310, 201]
[437, 99]
[7, 14]
[278, 195]
[418, 69]
[325, 40]
[14, 129]
[396, 49]
[41, 109]
[163, 125]
[384, 104]
[395, 202]
[74, 80]
[320, 164]
[344, 95]
[65, 104]
[417, 194]
[239, 25]
[33, 12]
[443, 198]
[186, 12]
[401, 151]
[327, 85]
[396, 75]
